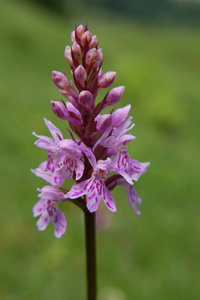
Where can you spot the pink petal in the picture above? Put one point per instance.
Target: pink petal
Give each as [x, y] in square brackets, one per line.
[60, 223]
[77, 190]
[133, 198]
[39, 208]
[43, 221]
[89, 154]
[109, 201]
[79, 169]
[55, 132]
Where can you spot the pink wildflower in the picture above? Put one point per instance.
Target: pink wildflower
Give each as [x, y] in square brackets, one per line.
[47, 207]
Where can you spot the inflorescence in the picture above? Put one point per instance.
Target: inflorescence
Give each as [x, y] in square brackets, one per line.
[96, 159]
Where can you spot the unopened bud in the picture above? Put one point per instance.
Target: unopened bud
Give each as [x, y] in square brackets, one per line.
[107, 79]
[68, 56]
[85, 99]
[86, 36]
[80, 74]
[60, 80]
[90, 55]
[72, 36]
[72, 109]
[80, 30]
[114, 96]
[99, 58]
[103, 122]
[94, 42]
[60, 110]
[76, 49]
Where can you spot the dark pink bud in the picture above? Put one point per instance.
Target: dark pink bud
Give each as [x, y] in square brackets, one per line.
[76, 49]
[107, 79]
[68, 56]
[85, 99]
[60, 80]
[86, 36]
[114, 96]
[99, 58]
[80, 74]
[69, 97]
[94, 42]
[60, 110]
[90, 55]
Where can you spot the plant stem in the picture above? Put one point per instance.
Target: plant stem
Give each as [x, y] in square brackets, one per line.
[90, 255]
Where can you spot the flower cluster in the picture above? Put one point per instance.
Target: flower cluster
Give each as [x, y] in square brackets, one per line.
[96, 156]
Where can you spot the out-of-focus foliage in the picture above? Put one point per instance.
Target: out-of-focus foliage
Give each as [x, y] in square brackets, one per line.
[154, 256]
[154, 11]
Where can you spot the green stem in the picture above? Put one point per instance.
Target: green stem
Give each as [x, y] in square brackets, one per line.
[90, 255]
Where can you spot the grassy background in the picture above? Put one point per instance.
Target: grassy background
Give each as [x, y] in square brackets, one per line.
[154, 256]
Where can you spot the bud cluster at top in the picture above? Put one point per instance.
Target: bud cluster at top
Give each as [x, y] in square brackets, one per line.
[99, 146]
[85, 61]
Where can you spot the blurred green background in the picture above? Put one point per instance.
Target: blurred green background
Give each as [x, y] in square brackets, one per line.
[155, 50]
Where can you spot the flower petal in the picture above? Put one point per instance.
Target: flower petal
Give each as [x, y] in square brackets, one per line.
[77, 190]
[89, 154]
[70, 148]
[43, 221]
[55, 132]
[94, 194]
[133, 198]
[123, 174]
[109, 201]
[79, 169]
[60, 223]
[39, 207]
[137, 169]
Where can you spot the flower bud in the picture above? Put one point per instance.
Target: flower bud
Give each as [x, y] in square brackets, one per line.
[60, 110]
[80, 74]
[99, 58]
[60, 80]
[103, 122]
[85, 99]
[72, 37]
[80, 30]
[94, 42]
[107, 79]
[76, 49]
[114, 96]
[68, 56]
[90, 55]
[86, 36]
[72, 109]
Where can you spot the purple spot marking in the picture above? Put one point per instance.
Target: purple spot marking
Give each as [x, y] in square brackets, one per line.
[108, 204]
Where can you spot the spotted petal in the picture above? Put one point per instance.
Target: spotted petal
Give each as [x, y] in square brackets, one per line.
[59, 222]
